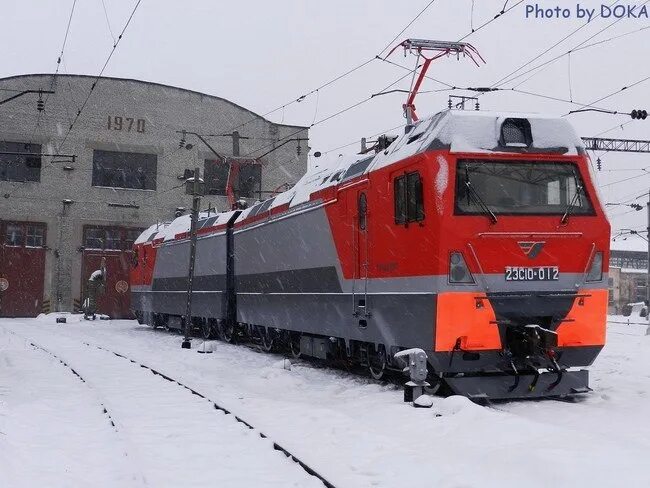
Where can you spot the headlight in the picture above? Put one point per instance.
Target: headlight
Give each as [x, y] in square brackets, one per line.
[458, 270]
[596, 269]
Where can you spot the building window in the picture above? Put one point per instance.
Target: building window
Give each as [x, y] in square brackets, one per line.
[409, 201]
[247, 182]
[24, 165]
[26, 234]
[130, 236]
[215, 175]
[110, 238]
[124, 170]
[14, 235]
[640, 289]
[35, 236]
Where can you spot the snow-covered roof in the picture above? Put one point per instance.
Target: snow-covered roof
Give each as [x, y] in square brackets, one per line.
[152, 232]
[478, 132]
[455, 130]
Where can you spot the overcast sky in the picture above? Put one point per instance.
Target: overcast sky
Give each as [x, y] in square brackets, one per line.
[261, 54]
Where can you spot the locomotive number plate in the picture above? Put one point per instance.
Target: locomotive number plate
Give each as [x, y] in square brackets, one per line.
[541, 273]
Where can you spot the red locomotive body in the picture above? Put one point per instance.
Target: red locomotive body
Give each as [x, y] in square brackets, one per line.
[476, 237]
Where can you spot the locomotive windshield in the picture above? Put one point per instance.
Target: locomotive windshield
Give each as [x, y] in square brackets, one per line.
[520, 187]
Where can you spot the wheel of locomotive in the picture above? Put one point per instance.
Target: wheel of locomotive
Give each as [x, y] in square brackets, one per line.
[139, 316]
[207, 332]
[159, 320]
[266, 338]
[226, 332]
[294, 344]
[210, 329]
[377, 362]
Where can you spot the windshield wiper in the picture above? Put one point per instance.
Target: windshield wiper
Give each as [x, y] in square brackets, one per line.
[571, 205]
[471, 191]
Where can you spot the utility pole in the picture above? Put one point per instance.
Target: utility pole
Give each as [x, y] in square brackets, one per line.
[193, 186]
[647, 283]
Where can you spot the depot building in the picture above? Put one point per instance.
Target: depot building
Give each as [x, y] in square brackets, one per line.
[85, 169]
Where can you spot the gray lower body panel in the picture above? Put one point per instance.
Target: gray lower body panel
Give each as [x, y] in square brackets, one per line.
[404, 320]
[204, 304]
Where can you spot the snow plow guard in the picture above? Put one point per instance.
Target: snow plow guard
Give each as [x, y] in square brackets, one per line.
[500, 387]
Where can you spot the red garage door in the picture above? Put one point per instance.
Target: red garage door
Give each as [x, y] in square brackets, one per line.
[114, 245]
[22, 268]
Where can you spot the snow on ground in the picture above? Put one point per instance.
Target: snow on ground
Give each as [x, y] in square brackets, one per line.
[353, 431]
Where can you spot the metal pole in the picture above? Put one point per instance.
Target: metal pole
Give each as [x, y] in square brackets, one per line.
[196, 202]
[647, 283]
[24, 93]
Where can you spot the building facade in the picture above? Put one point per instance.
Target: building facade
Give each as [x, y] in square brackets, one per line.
[628, 278]
[101, 161]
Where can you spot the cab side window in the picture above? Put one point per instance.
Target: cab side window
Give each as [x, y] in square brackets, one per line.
[409, 200]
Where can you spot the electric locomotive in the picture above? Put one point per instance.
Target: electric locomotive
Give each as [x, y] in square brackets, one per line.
[475, 236]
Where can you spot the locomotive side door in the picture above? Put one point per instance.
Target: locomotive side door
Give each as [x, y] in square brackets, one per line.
[361, 245]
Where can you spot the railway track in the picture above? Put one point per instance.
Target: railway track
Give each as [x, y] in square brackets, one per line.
[140, 478]
[308, 469]
[74, 372]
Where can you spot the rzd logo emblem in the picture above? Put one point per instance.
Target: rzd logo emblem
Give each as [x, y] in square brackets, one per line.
[121, 286]
[531, 249]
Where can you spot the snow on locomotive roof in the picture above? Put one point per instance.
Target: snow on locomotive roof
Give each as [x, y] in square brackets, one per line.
[479, 132]
[151, 233]
[455, 130]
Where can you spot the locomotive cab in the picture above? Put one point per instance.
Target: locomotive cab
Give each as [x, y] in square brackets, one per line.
[528, 245]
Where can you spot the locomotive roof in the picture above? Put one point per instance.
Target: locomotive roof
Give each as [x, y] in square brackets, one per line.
[455, 130]
[462, 131]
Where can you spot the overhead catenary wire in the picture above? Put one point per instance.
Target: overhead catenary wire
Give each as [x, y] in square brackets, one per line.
[56, 72]
[647, 168]
[485, 24]
[578, 47]
[335, 79]
[448, 85]
[503, 12]
[616, 92]
[536, 57]
[60, 145]
[101, 72]
[65, 41]
[356, 141]
[322, 120]
[108, 22]
[368, 61]
[303, 96]
[426, 7]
